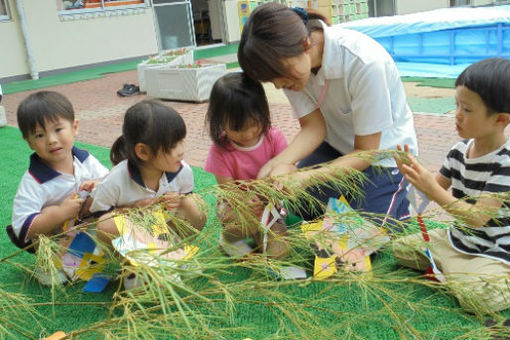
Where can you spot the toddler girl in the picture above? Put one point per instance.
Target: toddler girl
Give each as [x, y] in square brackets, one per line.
[150, 169]
[240, 127]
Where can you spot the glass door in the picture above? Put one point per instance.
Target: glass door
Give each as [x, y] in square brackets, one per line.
[174, 24]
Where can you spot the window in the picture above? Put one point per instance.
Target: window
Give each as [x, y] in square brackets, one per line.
[4, 10]
[97, 5]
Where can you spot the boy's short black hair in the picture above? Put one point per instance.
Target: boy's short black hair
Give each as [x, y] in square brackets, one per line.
[490, 79]
[41, 107]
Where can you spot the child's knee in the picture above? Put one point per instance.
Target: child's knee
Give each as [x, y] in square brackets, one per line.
[106, 227]
[278, 245]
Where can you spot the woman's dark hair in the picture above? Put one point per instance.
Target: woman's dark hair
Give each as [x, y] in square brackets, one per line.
[151, 123]
[41, 107]
[490, 78]
[273, 32]
[236, 100]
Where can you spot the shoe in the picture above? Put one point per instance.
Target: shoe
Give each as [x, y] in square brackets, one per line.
[503, 334]
[292, 273]
[234, 249]
[131, 281]
[45, 279]
[128, 90]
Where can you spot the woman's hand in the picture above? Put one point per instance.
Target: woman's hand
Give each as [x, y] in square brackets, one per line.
[274, 169]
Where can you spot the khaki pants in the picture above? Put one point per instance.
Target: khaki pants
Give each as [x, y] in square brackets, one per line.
[479, 283]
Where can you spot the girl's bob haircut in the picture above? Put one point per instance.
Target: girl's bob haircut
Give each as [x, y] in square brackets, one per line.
[236, 102]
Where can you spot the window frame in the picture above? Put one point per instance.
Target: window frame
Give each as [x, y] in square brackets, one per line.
[102, 8]
[7, 15]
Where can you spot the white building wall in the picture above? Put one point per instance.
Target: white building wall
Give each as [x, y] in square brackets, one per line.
[413, 6]
[60, 44]
[13, 58]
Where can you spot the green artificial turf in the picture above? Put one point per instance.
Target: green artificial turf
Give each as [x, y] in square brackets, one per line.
[432, 82]
[68, 77]
[432, 105]
[356, 308]
[100, 71]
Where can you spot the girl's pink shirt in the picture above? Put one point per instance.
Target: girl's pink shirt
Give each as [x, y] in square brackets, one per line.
[244, 163]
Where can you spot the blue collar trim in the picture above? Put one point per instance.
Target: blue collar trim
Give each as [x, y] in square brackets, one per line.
[171, 175]
[136, 176]
[43, 173]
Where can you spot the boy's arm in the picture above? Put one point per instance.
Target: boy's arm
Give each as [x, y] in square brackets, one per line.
[53, 216]
[435, 188]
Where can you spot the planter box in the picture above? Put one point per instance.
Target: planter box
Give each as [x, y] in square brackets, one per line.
[188, 84]
[164, 61]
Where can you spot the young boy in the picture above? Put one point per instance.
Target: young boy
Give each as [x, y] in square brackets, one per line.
[474, 254]
[47, 195]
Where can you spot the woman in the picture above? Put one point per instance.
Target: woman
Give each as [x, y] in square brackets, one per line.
[346, 92]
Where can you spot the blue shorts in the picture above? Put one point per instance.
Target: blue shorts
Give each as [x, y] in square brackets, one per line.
[385, 191]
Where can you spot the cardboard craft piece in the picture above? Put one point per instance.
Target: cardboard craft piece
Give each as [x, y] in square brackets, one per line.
[141, 246]
[340, 246]
[97, 283]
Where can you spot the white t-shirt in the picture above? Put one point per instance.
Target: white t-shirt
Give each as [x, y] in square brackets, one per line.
[364, 95]
[41, 186]
[124, 186]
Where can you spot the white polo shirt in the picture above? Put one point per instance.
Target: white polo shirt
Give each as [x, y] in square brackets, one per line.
[41, 186]
[364, 95]
[124, 186]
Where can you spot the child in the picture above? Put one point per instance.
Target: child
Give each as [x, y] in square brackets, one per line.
[153, 170]
[240, 127]
[475, 258]
[58, 171]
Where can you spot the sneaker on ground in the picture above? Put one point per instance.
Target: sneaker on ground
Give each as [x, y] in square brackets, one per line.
[287, 273]
[131, 281]
[235, 249]
[45, 279]
[128, 90]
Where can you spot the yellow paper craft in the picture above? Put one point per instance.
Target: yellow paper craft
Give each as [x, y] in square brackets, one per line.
[90, 265]
[324, 267]
[120, 223]
[139, 245]
[160, 227]
[340, 246]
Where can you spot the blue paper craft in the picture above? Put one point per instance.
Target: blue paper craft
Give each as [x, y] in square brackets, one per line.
[96, 284]
[82, 244]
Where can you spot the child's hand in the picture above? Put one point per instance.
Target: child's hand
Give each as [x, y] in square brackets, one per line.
[400, 158]
[88, 185]
[171, 200]
[71, 206]
[145, 202]
[415, 173]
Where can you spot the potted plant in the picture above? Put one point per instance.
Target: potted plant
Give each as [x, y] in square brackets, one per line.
[162, 60]
[191, 82]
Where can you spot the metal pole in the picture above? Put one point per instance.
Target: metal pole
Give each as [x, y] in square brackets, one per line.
[34, 73]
